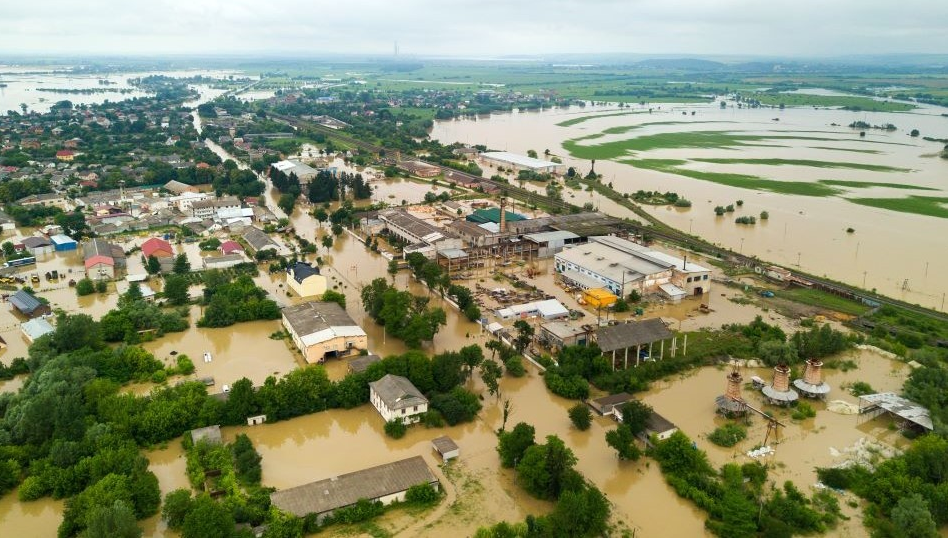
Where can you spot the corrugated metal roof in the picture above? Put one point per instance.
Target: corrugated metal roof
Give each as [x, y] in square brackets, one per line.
[344, 490]
[625, 335]
[24, 302]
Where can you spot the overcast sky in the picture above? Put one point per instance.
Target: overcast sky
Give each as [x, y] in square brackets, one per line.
[474, 27]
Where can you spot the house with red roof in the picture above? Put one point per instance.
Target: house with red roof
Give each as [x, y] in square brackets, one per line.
[230, 247]
[157, 247]
[65, 155]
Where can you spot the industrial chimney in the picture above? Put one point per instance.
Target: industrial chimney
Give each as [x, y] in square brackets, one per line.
[779, 391]
[731, 403]
[503, 214]
[812, 384]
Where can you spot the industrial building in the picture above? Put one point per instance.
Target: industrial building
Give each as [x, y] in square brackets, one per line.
[622, 266]
[812, 384]
[304, 173]
[548, 309]
[421, 236]
[323, 330]
[519, 162]
[63, 243]
[420, 169]
[559, 334]
[28, 305]
[779, 391]
[638, 336]
[37, 246]
[384, 483]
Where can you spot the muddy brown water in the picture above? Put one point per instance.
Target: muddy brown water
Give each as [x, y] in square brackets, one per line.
[887, 249]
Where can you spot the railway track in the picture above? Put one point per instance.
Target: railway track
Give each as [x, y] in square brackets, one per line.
[665, 233]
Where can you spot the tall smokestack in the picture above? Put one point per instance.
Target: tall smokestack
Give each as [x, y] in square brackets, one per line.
[684, 263]
[781, 382]
[733, 390]
[503, 214]
[814, 372]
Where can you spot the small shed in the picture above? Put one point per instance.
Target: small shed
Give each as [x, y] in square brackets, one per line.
[599, 297]
[362, 362]
[63, 242]
[29, 305]
[606, 404]
[256, 419]
[446, 446]
[211, 434]
[35, 328]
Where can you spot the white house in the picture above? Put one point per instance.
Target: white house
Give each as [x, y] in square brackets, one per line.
[395, 397]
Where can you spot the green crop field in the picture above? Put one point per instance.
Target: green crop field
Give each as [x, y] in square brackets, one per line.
[868, 184]
[920, 205]
[581, 119]
[844, 101]
[808, 162]
[743, 181]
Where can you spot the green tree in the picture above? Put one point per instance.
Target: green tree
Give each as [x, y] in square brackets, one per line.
[181, 264]
[580, 514]
[327, 241]
[635, 415]
[153, 265]
[115, 521]
[8, 249]
[547, 470]
[524, 335]
[623, 441]
[511, 445]
[913, 519]
[580, 416]
[176, 290]
[101, 286]
[490, 374]
[207, 519]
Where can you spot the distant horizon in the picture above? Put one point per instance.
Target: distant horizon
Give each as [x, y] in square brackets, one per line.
[488, 29]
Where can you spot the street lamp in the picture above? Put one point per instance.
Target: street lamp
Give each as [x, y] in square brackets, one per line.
[742, 247]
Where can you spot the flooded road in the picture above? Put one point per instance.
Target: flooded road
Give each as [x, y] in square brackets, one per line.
[892, 252]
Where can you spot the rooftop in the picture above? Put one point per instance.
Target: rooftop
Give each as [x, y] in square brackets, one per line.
[344, 490]
[634, 333]
[492, 214]
[562, 329]
[316, 321]
[613, 399]
[516, 159]
[555, 235]
[24, 302]
[444, 444]
[362, 362]
[258, 239]
[211, 434]
[36, 328]
[295, 167]
[300, 271]
[899, 406]
[398, 392]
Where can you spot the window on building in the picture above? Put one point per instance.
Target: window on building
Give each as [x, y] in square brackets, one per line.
[414, 409]
[403, 411]
[705, 277]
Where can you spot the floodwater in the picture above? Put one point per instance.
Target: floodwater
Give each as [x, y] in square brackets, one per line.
[22, 86]
[893, 252]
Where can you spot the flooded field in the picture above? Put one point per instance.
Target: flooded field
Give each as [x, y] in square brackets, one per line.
[23, 83]
[890, 251]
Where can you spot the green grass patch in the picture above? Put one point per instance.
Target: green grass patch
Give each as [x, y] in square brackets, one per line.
[743, 181]
[843, 101]
[929, 206]
[728, 435]
[868, 184]
[814, 297]
[852, 150]
[808, 162]
[581, 119]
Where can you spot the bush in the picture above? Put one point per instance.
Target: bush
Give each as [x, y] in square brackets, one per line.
[803, 411]
[421, 494]
[860, 388]
[514, 366]
[85, 287]
[580, 416]
[396, 429]
[432, 419]
[728, 435]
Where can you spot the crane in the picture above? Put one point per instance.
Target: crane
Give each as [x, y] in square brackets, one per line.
[773, 425]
